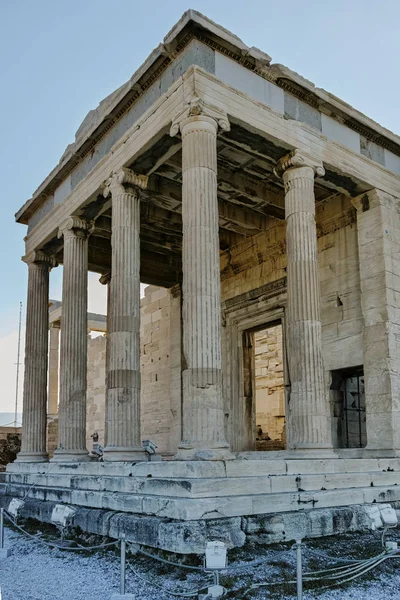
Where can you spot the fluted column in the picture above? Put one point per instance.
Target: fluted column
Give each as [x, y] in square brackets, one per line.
[73, 347]
[203, 412]
[33, 447]
[105, 279]
[123, 441]
[308, 419]
[52, 392]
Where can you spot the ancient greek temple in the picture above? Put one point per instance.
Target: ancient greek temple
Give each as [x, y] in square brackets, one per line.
[256, 200]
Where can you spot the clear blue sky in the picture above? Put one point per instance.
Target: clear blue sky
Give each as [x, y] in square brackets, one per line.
[59, 58]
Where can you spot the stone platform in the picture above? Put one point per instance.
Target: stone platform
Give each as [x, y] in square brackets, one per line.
[178, 505]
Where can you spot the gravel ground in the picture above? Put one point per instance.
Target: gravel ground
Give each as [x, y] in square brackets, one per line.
[37, 572]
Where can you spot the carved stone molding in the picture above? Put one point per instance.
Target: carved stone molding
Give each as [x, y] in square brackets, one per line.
[75, 226]
[296, 159]
[196, 108]
[40, 257]
[118, 182]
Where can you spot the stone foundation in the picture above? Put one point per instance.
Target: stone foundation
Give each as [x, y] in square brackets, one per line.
[178, 506]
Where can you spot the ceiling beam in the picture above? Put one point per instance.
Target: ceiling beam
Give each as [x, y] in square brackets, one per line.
[232, 216]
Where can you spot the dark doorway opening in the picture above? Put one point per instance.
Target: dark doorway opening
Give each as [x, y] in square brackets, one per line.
[348, 387]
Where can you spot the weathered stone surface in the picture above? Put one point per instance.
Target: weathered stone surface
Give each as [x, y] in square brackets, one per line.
[308, 417]
[222, 232]
[123, 438]
[33, 448]
[73, 348]
[191, 537]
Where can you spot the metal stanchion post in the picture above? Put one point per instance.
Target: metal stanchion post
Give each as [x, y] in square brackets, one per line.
[123, 564]
[122, 595]
[299, 571]
[4, 552]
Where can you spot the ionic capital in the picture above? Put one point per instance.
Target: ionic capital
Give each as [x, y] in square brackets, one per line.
[41, 258]
[122, 181]
[296, 159]
[75, 226]
[198, 108]
[105, 278]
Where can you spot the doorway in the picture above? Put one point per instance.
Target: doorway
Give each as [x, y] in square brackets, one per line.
[349, 407]
[264, 386]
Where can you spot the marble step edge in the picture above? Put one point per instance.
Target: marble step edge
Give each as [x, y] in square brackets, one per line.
[203, 488]
[209, 469]
[206, 508]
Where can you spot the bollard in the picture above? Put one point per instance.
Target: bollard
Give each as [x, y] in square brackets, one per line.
[122, 595]
[299, 571]
[4, 552]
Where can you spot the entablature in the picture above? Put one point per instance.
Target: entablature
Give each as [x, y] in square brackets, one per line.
[196, 40]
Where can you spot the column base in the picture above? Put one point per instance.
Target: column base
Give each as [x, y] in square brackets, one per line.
[124, 454]
[205, 452]
[32, 457]
[67, 456]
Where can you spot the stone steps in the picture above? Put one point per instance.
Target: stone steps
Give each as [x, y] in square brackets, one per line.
[209, 469]
[208, 487]
[249, 502]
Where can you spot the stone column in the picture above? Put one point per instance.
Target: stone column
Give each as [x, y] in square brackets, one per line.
[308, 423]
[378, 229]
[73, 350]
[123, 441]
[203, 411]
[52, 393]
[36, 346]
[105, 279]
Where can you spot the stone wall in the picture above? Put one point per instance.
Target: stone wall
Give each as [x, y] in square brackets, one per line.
[160, 371]
[160, 367]
[270, 390]
[52, 434]
[96, 389]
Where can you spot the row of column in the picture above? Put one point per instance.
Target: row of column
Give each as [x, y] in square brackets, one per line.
[203, 414]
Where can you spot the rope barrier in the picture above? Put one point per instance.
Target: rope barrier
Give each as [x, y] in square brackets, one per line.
[341, 573]
[230, 568]
[188, 594]
[53, 545]
[347, 570]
